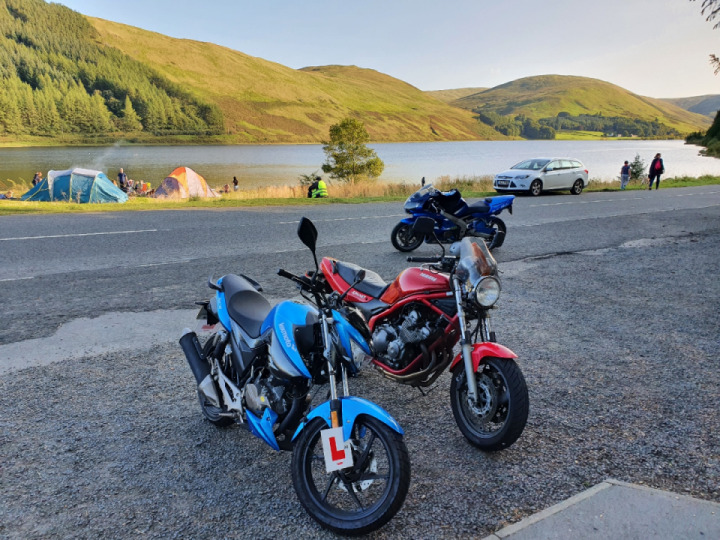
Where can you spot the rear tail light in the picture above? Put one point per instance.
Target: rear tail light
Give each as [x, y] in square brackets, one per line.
[587, 172]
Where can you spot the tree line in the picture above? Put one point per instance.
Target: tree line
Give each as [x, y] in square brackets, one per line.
[546, 128]
[56, 78]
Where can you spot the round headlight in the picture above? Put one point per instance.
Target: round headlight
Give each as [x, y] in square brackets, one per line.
[487, 291]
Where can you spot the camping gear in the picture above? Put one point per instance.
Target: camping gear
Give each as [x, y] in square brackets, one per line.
[76, 185]
[183, 183]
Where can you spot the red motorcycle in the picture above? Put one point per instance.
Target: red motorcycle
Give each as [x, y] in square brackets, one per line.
[417, 320]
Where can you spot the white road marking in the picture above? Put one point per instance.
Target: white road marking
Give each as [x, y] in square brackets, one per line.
[17, 279]
[76, 235]
[344, 219]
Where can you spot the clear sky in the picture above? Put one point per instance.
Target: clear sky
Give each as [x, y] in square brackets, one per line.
[656, 48]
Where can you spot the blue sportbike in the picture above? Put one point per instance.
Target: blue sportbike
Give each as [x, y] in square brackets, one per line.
[454, 218]
[256, 368]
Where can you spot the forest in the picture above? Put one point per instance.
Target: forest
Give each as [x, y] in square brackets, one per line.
[57, 78]
[546, 128]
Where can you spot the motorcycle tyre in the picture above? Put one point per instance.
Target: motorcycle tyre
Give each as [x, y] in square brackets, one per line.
[517, 414]
[335, 520]
[212, 413]
[497, 240]
[398, 235]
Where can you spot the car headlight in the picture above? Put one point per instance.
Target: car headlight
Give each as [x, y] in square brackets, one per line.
[487, 291]
[522, 177]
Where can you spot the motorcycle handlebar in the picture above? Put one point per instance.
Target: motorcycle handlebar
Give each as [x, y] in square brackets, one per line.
[285, 274]
[424, 259]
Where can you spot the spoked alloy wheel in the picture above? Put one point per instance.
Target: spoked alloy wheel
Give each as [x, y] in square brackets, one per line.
[499, 416]
[536, 188]
[356, 500]
[403, 239]
[577, 187]
[497, 239]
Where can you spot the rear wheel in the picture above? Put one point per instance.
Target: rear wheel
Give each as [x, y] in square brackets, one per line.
[577, 187]
[404, 239]
[498, 417]
[500, 231]
[361, 498]
[212, 413]
[535, 188]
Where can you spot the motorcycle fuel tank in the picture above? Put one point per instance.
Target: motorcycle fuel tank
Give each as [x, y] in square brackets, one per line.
[414, 281]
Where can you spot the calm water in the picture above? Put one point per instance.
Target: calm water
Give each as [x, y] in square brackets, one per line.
[404, 162]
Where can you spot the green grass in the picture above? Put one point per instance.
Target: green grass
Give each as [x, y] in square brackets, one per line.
[469, 187]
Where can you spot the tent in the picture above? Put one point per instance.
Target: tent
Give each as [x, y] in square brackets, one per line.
[182, 183]
[76, 185]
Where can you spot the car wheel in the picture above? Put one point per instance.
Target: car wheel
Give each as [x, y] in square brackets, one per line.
[577, 187]
[536, 188]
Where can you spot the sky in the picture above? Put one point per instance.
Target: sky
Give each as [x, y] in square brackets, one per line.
[655, 48]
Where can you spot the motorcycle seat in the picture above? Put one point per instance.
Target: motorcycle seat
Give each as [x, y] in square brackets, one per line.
[480, 207]
[372, 285]
[245, 305]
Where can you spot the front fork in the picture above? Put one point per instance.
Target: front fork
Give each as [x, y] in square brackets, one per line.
[465, 344]
[335, 405]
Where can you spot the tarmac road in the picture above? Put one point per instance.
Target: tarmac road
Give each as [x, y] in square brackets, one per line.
[56, 268]
[610, 301]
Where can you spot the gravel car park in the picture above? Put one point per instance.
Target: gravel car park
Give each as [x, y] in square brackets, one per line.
[543, 174]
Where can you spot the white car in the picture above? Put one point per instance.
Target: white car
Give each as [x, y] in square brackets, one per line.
[543, 174]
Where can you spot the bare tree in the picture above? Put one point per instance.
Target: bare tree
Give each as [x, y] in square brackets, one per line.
[711, 10]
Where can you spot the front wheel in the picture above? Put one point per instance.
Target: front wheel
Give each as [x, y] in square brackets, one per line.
[577, 187]
[500, 232]
[403, 238]
[359, 499]
[535, 188]
[498, 417]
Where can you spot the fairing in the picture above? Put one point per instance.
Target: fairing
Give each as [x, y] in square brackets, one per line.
[282, 320]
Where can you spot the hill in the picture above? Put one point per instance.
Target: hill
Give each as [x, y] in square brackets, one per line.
[263, 101]
[708, 105]
[448, 96]
[546, 96]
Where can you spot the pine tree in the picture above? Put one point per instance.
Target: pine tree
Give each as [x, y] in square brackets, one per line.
[130, 121]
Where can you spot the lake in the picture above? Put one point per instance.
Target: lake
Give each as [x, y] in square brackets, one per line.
[261, 165]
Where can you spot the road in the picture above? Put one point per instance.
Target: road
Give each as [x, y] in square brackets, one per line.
[56, 268]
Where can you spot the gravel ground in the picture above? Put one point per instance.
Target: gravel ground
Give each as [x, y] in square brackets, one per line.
[618, 346]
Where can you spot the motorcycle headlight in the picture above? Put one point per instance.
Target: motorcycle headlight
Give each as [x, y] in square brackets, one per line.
[487, 291]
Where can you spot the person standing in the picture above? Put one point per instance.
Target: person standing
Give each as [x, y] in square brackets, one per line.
[624, 175]
[122, 180]
[37, 178]
[657, 167]
[235, 183]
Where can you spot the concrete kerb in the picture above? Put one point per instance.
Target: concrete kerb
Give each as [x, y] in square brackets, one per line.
[620, 510]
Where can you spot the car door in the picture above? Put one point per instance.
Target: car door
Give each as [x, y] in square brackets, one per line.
[552, 178]
[568, 176]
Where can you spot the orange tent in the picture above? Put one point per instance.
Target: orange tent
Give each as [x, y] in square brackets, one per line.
[182, 183]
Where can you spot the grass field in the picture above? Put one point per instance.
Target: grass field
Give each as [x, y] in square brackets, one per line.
[284, 196]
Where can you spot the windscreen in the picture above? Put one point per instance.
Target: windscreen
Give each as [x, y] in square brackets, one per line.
[476, 261]
[532, 164]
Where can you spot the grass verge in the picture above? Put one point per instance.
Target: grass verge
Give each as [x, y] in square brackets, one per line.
[470, 187]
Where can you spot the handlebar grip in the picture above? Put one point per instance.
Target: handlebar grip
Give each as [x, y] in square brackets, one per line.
[285, 273]
[424, 259]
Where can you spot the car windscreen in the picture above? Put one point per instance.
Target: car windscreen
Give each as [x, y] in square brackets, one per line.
[532, 164]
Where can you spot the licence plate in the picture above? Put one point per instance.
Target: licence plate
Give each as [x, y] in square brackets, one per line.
[503, 183]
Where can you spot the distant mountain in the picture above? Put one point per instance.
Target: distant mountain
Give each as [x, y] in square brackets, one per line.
[708, 105]
[449, 96]
[263, 101]
[548, 95]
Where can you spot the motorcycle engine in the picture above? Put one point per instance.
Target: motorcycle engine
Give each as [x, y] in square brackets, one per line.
[397, 342]
[262, 393]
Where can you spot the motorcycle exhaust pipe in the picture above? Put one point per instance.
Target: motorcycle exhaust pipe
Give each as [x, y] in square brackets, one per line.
[200, 368]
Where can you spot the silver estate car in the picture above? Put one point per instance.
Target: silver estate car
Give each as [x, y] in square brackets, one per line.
[543, 174]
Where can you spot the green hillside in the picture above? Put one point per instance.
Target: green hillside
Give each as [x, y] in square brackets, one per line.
[448, 96]
[58, 81]
[707, 105]
[546, 96]
[263, 101]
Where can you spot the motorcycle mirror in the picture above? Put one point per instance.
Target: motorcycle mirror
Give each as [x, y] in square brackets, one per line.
[358, 278]
[308, 236]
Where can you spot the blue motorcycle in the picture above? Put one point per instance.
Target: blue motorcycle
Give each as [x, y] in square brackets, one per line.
[350, 465]
[454, 218]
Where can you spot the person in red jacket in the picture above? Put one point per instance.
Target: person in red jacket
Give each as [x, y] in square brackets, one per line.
[657, 167]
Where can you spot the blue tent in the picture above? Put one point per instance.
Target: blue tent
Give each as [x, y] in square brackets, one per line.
[76, 185]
